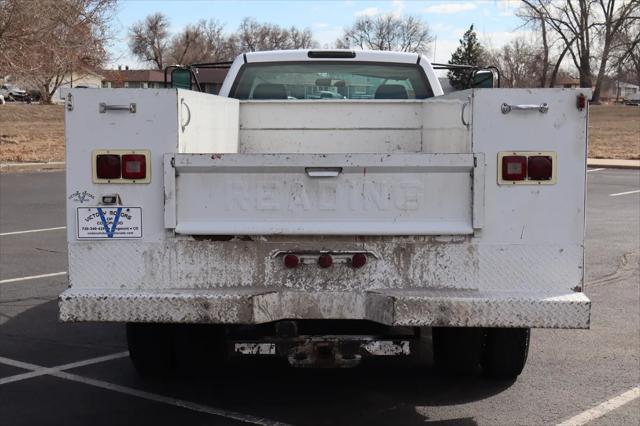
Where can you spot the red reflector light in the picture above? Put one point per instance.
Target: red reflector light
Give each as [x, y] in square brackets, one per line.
[514, 167]
[134, 166]
[581, 102]
[108, 166]
[291, 261]
[358, 260]
[325, 260]
[540, 167]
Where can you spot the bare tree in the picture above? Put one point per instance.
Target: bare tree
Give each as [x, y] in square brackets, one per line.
[41, 42]
[189, 46]
[626, 54]
[534, 17]
[220, 47]
[149, 39]
[613, 20]
[586, 27]
[254, 36]
[387, 32]
[521, 63]
[301, 39]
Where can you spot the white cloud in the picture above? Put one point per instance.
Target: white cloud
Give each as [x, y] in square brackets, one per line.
[398, 7]
[508, 7]
[446, 8]
[320, 25]
[369, 11]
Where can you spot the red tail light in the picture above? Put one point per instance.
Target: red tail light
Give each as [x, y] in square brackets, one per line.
[540, 167]
[514, 167]
[325, 260]
[358, 260]
[108, 166]
[134, 166]
[291, 260]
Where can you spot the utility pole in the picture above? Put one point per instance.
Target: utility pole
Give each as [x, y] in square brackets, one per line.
[435, 45]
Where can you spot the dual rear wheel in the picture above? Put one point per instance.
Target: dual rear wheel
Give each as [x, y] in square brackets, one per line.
[499, 353]
[156, 349]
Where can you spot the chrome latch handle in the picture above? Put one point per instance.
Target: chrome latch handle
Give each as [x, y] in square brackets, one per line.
[103, 108]
[542, 108]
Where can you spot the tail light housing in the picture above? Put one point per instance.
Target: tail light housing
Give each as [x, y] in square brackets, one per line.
[134, 166]
[514, 167]
[108, 166]
[540, 167]
[527, 168]
[121, 166]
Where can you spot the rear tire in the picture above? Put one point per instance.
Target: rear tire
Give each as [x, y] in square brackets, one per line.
[152, 348]
[458, 351]
[505, 352]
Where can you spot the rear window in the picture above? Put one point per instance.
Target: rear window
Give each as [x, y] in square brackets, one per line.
[331, 80]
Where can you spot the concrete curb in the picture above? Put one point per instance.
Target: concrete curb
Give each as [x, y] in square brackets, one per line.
[613, 164]
[31, 167]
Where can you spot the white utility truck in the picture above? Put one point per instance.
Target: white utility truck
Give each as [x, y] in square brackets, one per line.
[325, 207]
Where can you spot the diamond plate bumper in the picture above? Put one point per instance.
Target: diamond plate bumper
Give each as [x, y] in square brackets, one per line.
[457, 308]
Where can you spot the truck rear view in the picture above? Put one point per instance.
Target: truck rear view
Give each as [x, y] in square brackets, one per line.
[328, 207]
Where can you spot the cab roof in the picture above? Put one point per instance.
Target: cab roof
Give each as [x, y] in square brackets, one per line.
[331, 55]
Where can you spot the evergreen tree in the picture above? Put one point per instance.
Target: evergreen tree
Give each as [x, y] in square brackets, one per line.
[470, 52]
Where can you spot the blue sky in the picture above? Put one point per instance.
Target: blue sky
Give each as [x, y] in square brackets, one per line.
[494, 20]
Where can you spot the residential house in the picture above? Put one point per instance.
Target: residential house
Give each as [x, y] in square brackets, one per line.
[78, 78]
[210, 79]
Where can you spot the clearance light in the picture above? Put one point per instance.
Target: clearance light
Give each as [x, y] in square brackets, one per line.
[291, 260]
[358, 260]
[325, 260]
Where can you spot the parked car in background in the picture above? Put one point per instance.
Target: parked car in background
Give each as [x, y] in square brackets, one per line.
[12, 93]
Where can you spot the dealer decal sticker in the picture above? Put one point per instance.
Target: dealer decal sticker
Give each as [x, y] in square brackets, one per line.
[109, 222]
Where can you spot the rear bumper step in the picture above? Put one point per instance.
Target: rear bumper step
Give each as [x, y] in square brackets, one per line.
[455, 308]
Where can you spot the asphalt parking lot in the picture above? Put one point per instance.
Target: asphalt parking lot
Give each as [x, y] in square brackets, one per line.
[76, 374]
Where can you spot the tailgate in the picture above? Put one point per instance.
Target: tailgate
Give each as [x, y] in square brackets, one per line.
[324, 194]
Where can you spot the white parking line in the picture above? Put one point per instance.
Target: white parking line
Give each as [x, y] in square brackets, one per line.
[624, 193]
[57, 372]
[32, 277]
[602, 409]
[595, 170]
[30, 231]
[246, 418]
[41, 371]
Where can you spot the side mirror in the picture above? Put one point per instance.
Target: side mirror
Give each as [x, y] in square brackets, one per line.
[181, 78]
[483, 79]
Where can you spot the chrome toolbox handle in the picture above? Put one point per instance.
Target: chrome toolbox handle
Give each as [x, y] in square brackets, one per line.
[506, 108]
[103, 108]
[323, 172]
